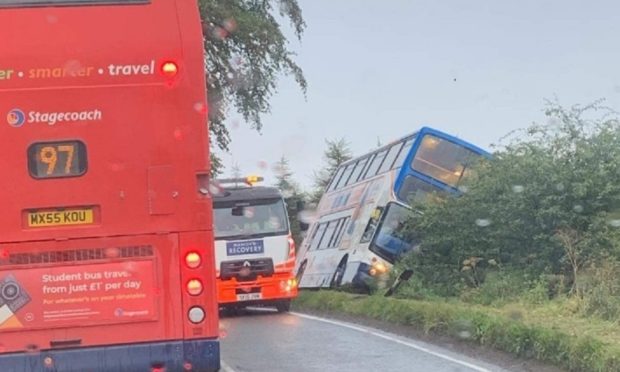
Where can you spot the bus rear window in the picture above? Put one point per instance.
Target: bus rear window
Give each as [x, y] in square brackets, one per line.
[31, 3]
[443, 160]
[256, 218]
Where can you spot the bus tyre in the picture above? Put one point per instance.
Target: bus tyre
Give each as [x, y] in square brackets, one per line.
[283, 306]
[339, 274]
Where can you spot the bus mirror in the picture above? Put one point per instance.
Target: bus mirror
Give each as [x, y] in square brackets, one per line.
[403, 277]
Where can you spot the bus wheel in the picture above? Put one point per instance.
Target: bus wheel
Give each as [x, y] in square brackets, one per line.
[339, 274]
[284, 306]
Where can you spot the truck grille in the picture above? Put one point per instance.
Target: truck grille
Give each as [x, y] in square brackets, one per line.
[246, 270]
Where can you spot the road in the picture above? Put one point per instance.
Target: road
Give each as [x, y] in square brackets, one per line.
[263, 340]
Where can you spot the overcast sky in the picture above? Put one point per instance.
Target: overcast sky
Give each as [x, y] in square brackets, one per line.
[378, 70]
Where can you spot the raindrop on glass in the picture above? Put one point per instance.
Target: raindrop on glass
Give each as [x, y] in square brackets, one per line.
[200, 107]
[214, 188]
[130, 266]
[483, 222]
[307, 216]
[230, 25]
[559, 187]
[287, 193]
[263, 165]
[614, 223]
[517, 189]
[578, 208]
[112, 253]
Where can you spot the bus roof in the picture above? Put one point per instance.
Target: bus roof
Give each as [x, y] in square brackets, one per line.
[247, 193]
[423, 130]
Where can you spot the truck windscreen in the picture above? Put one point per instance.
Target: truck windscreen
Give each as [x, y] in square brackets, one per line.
[250, 219]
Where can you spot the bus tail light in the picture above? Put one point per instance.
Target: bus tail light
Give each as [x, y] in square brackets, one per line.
[169, 69]
[196, 314]
[194, 287]
[291, 247]
[193, 260]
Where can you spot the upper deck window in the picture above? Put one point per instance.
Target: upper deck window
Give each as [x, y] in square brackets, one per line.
[403, 153]
[376, 163]
[390, 157]
[31, 3]
[443, 160]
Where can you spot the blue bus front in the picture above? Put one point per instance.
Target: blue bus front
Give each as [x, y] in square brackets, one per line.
[436, 167]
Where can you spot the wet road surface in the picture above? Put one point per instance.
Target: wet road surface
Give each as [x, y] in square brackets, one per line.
[263, 340]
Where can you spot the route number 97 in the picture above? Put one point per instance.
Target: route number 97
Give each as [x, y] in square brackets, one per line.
[57, 159]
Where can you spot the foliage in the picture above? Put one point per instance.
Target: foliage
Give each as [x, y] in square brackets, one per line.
[292, 195]
[246, 52]
[599, 292]
[336, 153]
[545, 204]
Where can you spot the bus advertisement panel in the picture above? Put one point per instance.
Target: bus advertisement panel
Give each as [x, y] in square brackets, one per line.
[356, 237]
[254, 250]
[106, 241]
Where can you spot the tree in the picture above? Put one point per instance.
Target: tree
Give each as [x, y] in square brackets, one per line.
[235, 171]
[546, 204]
[293, 197]
[337, 152]
[246, 52]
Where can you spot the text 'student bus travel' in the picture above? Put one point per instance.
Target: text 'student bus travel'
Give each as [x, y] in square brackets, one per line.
[356, 236]
[106, 242]
[254, 250]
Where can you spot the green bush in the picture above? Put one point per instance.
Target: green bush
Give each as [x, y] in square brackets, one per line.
[600, 290]
[546, 204]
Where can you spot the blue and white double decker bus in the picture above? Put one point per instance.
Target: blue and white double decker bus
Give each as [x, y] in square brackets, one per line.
[355, 236]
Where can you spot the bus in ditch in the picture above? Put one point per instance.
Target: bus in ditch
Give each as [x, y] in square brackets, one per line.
[106, 238]
[254, 249]
[355, 237]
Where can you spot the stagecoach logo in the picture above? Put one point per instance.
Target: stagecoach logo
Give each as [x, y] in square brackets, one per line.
[16, 118]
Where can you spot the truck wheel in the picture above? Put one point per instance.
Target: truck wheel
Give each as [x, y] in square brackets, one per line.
[284, 306]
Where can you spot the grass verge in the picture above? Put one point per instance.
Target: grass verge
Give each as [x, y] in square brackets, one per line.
[509, 331]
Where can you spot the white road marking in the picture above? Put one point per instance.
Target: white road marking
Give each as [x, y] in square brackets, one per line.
[393, 339]
[225, 367]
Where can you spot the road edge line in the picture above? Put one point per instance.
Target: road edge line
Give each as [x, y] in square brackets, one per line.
[393, 339]
[224, 367]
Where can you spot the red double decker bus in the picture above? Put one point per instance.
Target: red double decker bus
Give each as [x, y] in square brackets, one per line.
[106, 243]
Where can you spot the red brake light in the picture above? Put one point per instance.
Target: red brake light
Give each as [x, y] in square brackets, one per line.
[169, 69]
[193, 260]
[194, 287]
